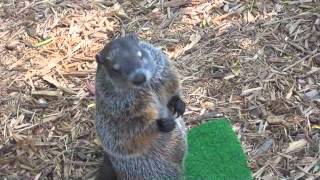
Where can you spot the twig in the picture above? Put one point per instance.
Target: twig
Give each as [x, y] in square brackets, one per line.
[42, 43]
[168, 22]
[176, 3]
[299, 47]
[45, 120]
[285, 19]
[306, 169]
[220, 18]
[294, 64]
[303, 170]
[28, 6]
[249, 91]
[207, 116]
[46, 93]
[258, 173]
[54, 82]
[80, 163]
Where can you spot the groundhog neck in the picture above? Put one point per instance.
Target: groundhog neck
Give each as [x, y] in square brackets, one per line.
[162, 78]
[162, 70]
[111, 97]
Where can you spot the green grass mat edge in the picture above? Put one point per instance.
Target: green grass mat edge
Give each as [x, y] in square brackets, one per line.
[215, 153]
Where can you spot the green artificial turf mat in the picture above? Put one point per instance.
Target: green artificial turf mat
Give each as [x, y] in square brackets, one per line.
[215, 153]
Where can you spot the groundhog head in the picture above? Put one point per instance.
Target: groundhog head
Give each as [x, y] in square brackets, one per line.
[126, 62]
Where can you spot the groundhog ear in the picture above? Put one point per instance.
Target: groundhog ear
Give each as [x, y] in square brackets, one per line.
[133, 36]
[99, 58]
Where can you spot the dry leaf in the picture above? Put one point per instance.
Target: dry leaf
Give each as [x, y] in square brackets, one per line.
[16, 121]
[194, 38]
[91, 88]
[97, 141]
[51, 118]
[316, 126]
[226, 28]
[312, 71]
[296, 145]
[119, 11]
[227, 76]
[250, 17]
[236, 68]
[264, 147]
[54, 82]
[277, 120]
[26, 143]
[249, 91]
[174, 51]
[226, 8]
[12, 45]
[293, 26]
[312, 95]
[91, 105]
[288, 96]
[269, 177]
[176, 3]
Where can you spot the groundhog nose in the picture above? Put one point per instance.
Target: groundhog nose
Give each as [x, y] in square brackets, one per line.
[139, 78]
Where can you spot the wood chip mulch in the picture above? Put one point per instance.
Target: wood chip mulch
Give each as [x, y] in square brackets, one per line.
[256, 62]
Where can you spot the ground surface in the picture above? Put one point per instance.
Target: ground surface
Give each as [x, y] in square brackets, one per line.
[256, 62]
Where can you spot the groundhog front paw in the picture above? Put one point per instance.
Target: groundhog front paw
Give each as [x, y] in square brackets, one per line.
[177, 105]
[166, 124]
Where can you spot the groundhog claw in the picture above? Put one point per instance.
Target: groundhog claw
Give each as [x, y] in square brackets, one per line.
[166, 124]
[177, 105]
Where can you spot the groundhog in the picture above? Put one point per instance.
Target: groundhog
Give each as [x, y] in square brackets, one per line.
[139, 112]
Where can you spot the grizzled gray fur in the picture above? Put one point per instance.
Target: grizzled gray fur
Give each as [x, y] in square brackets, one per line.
[139, 112]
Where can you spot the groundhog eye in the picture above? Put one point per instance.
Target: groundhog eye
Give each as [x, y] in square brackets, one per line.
[139, 54]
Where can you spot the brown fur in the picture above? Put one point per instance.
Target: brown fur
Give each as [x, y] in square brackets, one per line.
[141, 144]
[149, 112]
